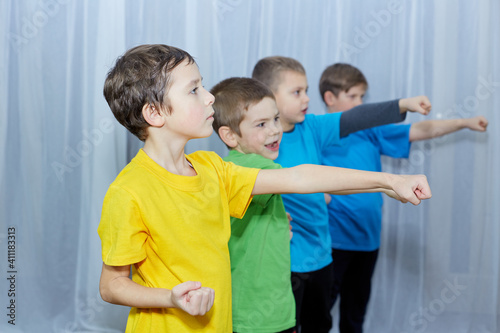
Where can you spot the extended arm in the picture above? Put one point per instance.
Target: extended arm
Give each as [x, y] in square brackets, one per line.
[376, 114]
[309, 178]
[116, 287]
[389, 193]
[429, 129]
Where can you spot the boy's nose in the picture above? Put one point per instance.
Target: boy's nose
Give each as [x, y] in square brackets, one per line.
[275, 129]
[210, 98]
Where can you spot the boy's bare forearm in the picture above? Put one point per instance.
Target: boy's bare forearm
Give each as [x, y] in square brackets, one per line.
[390, 193]
[310, 178]
[429, 129]
[347, 192]
[118, 288]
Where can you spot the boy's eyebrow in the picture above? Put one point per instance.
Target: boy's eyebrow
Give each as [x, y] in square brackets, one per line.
[261, 119]
[195, 82]
[266, 118]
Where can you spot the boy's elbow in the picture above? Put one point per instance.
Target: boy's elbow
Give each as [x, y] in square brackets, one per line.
[106, 294]
[106, 290]
[111, 282]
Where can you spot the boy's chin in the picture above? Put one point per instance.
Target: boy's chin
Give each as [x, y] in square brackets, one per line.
[206, 134]
[272, 155]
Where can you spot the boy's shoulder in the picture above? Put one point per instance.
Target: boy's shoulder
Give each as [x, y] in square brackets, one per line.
[318, 121]
[310, 117]
[316, 126]
[207, 161]
[205, 156]
[251, 160]
[132, 170]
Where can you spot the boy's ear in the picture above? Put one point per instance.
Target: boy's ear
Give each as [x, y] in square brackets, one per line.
[152, 115]
[228, 136]
[329, 98]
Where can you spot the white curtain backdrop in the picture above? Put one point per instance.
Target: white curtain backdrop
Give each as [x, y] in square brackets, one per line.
[60, 146]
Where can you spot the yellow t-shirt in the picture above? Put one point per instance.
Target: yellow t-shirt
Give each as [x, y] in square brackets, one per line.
[173, 229]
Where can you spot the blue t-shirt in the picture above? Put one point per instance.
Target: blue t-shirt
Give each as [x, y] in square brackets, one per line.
[310, 248]
[356, 219]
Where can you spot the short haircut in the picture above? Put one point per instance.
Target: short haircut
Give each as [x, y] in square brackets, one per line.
[233, 97]
[268, 70]
[340, 77]
[142, 76]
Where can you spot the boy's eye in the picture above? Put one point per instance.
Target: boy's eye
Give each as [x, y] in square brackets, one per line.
[277, 118]
[194, 90]
[260, 124]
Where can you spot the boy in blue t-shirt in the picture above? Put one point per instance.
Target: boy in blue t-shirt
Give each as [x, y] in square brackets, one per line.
[355, 220]
[304, 139]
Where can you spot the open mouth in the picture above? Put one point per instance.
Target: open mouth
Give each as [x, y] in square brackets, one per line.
[273, 146]
[304, 111]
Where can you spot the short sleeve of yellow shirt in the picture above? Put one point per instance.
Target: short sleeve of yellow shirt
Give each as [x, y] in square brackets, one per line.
[173, 229]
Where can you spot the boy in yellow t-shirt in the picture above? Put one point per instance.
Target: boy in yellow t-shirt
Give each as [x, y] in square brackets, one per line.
[166, 215]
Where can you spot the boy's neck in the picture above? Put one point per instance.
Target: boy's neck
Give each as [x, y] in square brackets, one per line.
[287, 127]
[169, 155]
[331, 109]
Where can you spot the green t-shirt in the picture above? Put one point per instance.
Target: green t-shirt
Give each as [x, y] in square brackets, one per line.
[259, 248]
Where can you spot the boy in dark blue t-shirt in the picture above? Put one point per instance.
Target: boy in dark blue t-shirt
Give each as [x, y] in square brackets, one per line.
[356, 220]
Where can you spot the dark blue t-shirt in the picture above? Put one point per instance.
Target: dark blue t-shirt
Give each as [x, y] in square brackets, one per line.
[355, 220]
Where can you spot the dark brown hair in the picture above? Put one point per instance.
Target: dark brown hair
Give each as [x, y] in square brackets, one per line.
[340, 77]
[141, 76]
[233, 97]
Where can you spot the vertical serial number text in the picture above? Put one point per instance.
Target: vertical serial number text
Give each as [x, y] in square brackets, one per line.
[11, 275]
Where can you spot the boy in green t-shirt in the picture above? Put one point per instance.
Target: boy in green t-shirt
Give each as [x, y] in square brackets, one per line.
[260, 242]
[247, 121]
